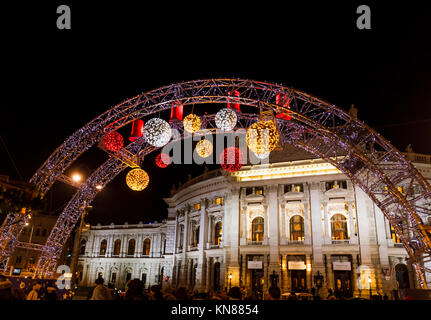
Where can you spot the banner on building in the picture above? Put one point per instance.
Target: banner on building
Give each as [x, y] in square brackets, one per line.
[296, 265]
[254, 264]
[346, 266]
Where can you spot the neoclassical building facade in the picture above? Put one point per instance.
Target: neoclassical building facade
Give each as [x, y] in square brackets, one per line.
[298, 223]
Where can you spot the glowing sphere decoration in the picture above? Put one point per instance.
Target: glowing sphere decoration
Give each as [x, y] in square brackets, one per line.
[163, 160]
[113, 141]
[137, 179]
[157, 132]
[204, 148]
[231, 159]
[226, 119]
[262, 137]
[192, 123]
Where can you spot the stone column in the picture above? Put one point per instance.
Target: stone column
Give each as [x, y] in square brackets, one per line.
[265, 272]
[244, 270]
[208, 284]
[316, 233]
[330, 280]
[243, 240]
[265, 226]
[364, 205]
[209, 242]
[274, 228]
[283, 240]
[355, 275]
[231, 236]
[203, 229]
[328, 236]
[307, 225]
[308, 271]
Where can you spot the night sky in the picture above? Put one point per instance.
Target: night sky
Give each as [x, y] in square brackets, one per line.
[55, 81]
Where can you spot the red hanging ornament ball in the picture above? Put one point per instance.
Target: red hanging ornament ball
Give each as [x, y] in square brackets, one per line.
[163, 160]
[231, 159]
[113, 141]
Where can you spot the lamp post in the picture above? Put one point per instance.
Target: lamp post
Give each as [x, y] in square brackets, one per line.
[230, 280]
[369, 283]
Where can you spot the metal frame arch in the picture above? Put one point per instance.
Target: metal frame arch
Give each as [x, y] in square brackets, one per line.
[369, 159]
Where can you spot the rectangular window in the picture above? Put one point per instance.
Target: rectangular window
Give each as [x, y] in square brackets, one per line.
[248, 191]
[342, 184]
[18, 259]
[287, 188]
[258, 190]
[197, 206]
[114, 277]
[219, 201]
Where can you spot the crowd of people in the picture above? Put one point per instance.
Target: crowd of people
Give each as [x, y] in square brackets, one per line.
[135, 290]
[39, 291]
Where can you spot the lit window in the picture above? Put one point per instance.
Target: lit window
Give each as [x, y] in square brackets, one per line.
[219, 200]
[339, 227]
[117, 246]
[218, 233]
[131, 247]
[257, 229]
[103, 246]
[197, 206]
[297, 228]
[147, 244]
[259, 191]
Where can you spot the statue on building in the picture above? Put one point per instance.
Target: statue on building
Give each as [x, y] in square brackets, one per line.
[353, 111]
[409, 148]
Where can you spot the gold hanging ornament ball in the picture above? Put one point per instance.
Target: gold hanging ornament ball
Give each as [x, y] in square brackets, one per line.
[262, 137]
[204, 148]
[137, 179]
[192, 123]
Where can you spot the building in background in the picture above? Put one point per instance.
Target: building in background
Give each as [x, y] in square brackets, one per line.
[295, 223]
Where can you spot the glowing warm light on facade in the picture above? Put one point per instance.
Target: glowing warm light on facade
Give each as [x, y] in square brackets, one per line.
[286, 171]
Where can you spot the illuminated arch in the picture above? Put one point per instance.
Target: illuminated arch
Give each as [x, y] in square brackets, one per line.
[315, 125]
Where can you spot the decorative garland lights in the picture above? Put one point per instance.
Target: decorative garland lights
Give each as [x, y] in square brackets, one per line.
[262, 137]
[137, 179]
[204, 148]
[157, 132]
[226, 119]
[192, 123]
[113, 141]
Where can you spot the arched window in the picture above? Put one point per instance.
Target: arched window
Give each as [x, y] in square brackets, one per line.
[117, 247]
[297, 228]
[131, 247]
[218, 233]
[147, 245]
[257, 229]
[82, 249]
[103, 246]
[339, 227]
